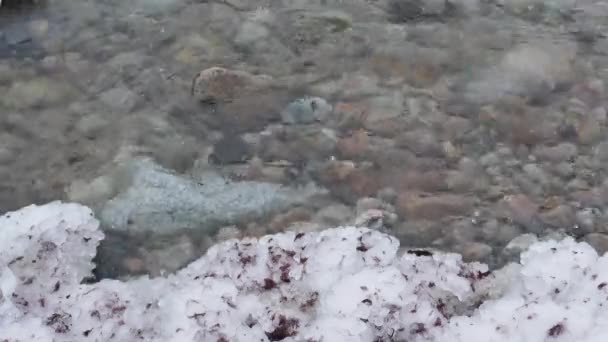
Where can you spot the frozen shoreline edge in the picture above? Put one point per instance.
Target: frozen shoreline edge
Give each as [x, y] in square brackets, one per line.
[342, 284]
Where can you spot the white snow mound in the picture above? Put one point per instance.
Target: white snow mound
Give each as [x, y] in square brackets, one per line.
[342, 284]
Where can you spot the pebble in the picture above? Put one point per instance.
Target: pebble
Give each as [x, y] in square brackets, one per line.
[489, 159]
[535, 173]
[306, 110]
[521, 210]
[354, 145]
[559, 153]
[333, 215]
[230, 149]
[476, 251]
[120, 99]
[228, 233]
[217, 84]
[134, 265]
[283, 220]
[169, 256]
[586, 219]
[388, 195]
[589, 130]
[91, 125]
[414, 206]
[368, 203]
[562, 216]
[520, 244]
[565, 169]
[6, 155]
[600, 151]
[499, 233]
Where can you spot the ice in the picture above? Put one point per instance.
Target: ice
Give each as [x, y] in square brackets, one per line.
[341, 284]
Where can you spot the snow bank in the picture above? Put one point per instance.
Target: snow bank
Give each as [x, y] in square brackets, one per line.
[343, 284]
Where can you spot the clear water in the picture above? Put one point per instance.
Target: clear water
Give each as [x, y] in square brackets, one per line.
[467, 122]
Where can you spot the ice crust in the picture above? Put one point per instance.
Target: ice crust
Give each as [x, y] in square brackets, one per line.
[342, 284]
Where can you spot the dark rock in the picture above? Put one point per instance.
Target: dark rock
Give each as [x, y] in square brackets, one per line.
[229, 150]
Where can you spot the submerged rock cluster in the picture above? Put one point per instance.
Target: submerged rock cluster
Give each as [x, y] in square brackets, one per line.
[342, 284]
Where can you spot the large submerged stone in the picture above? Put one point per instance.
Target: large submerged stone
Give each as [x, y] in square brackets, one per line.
[156, 200]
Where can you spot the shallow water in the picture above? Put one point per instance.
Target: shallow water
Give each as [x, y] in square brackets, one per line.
[466, 122]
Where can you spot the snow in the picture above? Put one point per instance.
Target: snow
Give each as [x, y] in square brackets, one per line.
[342, 284]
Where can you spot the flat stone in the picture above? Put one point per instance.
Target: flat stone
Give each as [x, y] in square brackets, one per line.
[120, 99]
[152, 199]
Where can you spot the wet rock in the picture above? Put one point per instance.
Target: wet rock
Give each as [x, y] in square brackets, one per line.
[456, 127]
[600, 151]
[304, 227]
[405, 11]
[525, 71]
[218, 84]
[348, 182]
[562, 216]
[520, 244]
[153, 199]
[565, 170]
[227, 233]
[499, 233]
[476, 251]
[334, 215]
[38, 28]
[250, 32]
[350, 85]
[230, 149]
[36, 92]
[461, 231]
[586, 219]
[388, 195]
[91, 125]
[353, 146]
[306, 110]
[134, 265]
[91, 193]
[559, 153]
[422, 142]
[418, 232]
[384, 107]
[535, 173]
[284, 220]
[521, 210]
[370, 203]
[15, 35]
[599, 241]
[176, 153]
[169, 256]
[429, 181]
[489, 159]
[248, 112]
[416, 206]
[120, 99]
[6, 155]
[589, 130]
